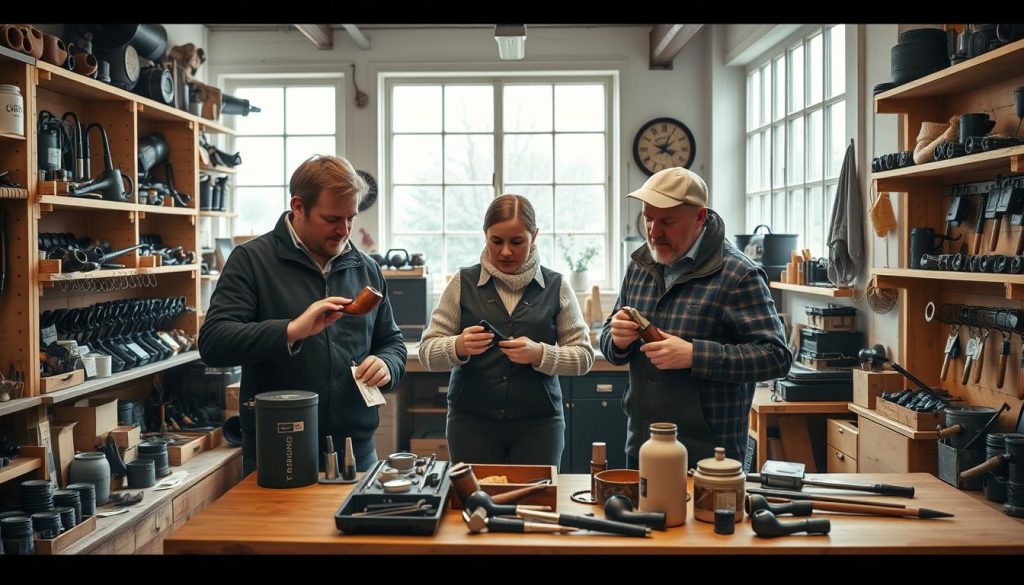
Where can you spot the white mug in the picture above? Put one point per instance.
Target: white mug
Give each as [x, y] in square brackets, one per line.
[103, 365]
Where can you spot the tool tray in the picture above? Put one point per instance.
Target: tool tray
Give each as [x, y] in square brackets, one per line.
[369, 492]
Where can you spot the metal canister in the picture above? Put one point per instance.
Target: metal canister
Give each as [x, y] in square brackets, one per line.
[286, 439]
[1015, 452]
[12, 110]
[971, 420]
[713, 475]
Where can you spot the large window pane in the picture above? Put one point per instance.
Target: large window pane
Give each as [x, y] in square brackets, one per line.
[469, 108]
[830, 201]
[815, 69]
[814, 145]
[766, 93]
[815, 221]
[754, 171]
[766, 158]
[270, 120]
[579, 157]
[753, 213]
[579, 108]
[836, 139]
[779, 101]
[528, 158]
[468, 158]
[300, 148]
[463, 251]
[428, 245]
[778, 156]
[780, 222]
[264, 161]
[310, 110]
[837, 60]
[416, 208]
[796, 78]
[416, 108]
[576, 245]
[796, 216]
[258, 209]
[543, 203]
[580, 208]
[546, 250]
[755, 100]
[527, 108]
[795, 165]
[416, 159]
[465, 207]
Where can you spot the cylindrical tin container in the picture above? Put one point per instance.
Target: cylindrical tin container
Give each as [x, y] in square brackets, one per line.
[713, 475]
[12, 110]
[286, 439]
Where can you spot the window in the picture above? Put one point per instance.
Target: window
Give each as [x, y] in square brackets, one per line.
[453, 146]
[796, 136]
[298, 118]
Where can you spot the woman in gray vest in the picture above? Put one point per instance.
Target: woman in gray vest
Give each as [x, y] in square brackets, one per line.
[504, 401]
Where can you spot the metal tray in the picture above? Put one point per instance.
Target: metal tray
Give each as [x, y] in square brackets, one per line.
[369, 492]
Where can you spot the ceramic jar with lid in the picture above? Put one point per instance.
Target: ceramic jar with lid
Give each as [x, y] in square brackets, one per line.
[12, 111]
[716, 474]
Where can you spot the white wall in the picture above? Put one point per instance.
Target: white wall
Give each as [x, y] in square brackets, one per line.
[682, 92]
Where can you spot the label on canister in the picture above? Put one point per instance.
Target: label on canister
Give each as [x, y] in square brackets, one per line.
[12, 111]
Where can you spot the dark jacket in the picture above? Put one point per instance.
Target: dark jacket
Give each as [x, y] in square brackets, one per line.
[490, 385]
[723, 307]
[265, 284]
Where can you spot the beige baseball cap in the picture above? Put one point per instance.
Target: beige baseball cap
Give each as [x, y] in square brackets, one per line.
[671, 187]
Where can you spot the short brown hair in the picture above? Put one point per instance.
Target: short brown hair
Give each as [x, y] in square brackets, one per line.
[321, 172]
[509, 207]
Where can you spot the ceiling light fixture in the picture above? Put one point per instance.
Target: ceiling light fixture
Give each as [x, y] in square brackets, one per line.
[511, 39]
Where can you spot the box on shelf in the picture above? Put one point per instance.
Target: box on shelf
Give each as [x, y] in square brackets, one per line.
[126, 437]
[61, 435]
[97, 417]
[61, 381]
[868, 385]
[52, 546]
[182, 454]
[918, 421]
[130, 454]
[518, 476]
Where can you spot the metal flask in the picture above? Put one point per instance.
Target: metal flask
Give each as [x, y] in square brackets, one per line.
[286, 439]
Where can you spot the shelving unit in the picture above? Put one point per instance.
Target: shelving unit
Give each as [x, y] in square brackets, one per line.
[981, 84]
[814, 290]
[31, 459]
[97, 384]
[6, 136]
[213, 169]
[229, 214]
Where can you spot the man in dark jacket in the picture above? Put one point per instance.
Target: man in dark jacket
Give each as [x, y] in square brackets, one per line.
[275, 312]
[714, 307]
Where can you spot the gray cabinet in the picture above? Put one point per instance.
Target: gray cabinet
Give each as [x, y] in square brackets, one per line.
[593, 412]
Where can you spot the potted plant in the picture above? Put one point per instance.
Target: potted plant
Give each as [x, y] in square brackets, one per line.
[578, 261]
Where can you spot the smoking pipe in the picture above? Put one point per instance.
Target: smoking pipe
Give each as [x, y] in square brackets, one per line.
[648, 332]
[481, 499]
[767, 525]
[479, 520]
[755, 502]
[366, 301]
[620, 509]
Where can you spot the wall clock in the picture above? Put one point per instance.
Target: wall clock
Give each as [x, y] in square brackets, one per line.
[663, 143]
[371, 192]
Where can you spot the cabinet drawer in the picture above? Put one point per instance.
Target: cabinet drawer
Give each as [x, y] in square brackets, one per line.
[883, 450]
[839, 462]
[842, 434]
[604, 386]
[158, 522]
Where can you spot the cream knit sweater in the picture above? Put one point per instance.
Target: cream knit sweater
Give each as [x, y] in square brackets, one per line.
[573, 354]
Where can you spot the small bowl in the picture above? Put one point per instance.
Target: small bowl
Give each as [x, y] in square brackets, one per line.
[618, 482]
[402, 461]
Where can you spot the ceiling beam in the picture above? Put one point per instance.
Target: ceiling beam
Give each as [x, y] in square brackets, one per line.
[667, 40]
[321, 35]
[357, 36]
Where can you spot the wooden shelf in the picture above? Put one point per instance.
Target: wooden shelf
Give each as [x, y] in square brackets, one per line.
[210, 276]
[971, 166]
[814, 290]
[217, 214]
[211, 127]
[169, 269]
[992, 67]
[92, 275]
[48, 202]
[162, 209]
[19, 404]
[20, 466]
[891, 424]
[223, 170]
[1012, 284]
[7, 54]
[426, 408]
[14, 137]
[98, 384]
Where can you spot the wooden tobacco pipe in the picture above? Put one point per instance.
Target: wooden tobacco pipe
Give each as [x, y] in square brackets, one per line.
[366, 301]
[648, 332]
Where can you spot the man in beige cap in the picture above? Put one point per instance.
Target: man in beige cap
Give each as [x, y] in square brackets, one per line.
[713, 306]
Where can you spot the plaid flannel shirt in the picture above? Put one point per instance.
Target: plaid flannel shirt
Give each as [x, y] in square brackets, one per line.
[724, 307]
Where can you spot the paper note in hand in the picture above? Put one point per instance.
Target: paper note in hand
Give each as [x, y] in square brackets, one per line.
[371, 394]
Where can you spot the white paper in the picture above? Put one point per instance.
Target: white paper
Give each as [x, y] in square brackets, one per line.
[371, 394]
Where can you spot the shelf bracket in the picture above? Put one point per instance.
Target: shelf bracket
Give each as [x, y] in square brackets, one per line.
[1015, 291]
[1016, 164]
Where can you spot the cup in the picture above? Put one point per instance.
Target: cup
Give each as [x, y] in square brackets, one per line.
[103, 365]
[975, 124]
[923, 240]
[725, 511]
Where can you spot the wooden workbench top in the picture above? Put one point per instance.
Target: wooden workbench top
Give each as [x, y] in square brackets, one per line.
[251, 519]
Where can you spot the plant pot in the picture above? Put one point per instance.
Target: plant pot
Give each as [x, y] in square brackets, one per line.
[579, 281]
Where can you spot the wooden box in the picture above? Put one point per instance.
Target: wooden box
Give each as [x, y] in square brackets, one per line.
[97, 417]
[62, 437]
[833, 322]
[518, 476]
[130, 454]
[424, 447]
[52, 546]
[919, 421]
[211, 439]
[868, 385]
[126, 437]
[61, 381]
[182, 454]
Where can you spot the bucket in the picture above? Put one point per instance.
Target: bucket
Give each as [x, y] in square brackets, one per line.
[286, 439]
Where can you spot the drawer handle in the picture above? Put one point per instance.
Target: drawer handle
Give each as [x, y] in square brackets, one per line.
[840, 429]
[839, 456]
[605, 388]
[604, 404]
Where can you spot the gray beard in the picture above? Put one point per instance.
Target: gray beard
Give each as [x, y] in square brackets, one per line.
[662, 260]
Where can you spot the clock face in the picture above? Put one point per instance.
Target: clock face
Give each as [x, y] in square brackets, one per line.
[663, 143]
[371, 193]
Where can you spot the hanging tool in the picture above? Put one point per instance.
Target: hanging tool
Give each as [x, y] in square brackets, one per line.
[959, 209]
[952, 350]
[983, 214]
[1004, 356]
[973, 343]
[979, 357]
[1010, 201]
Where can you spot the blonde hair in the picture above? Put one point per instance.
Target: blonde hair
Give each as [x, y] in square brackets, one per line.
[320, 172]
[509, 207]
